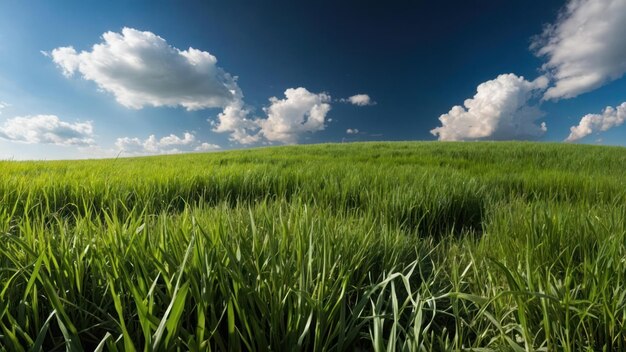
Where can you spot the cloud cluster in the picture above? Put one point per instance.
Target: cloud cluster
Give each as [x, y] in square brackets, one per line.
[592, 123]
[359, 100]
[141, 69]
[166, 145]
[584, 47]
[47, 129]
[583, 50]
[3, 105]
[300, 112]
[499, 110]
[352, 131]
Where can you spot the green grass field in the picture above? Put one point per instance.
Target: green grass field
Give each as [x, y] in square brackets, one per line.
[367, 246]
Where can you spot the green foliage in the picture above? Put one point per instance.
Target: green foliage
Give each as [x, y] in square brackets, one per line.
[367, 246]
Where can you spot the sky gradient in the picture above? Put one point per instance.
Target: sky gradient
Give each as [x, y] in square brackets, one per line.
[94, 79]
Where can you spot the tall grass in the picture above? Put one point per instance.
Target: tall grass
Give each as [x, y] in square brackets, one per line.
[371, 246]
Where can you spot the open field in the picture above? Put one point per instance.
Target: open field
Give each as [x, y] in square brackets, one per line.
[368, 246]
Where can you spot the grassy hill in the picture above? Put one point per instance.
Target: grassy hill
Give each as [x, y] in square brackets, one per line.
[367, 246]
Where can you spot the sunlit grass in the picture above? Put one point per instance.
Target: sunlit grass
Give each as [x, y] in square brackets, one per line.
[371, 246]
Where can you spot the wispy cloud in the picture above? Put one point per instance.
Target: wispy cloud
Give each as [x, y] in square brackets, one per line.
[171, 144]
[204, 147]
[584, 47]
[3, 106]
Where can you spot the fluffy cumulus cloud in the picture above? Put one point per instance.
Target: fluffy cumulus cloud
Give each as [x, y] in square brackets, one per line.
[166, 145]
[500, 109]
[141, 69]
[234, 120]
[300, 112]
[352, 131]
[287, 119]
[592, 123]
[584, 47]
[47, 129]
[359, 100]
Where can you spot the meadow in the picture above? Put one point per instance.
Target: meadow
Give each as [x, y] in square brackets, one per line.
[403, 246]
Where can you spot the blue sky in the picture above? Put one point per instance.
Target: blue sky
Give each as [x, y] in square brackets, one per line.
[406, 64]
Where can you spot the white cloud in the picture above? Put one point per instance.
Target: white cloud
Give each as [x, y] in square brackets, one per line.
[166, 145]
[206, 147]
[300, 112]
[47, 129]
[234, 119]
[133, 145]
[142, 69]
[359, 100]
[287, 119]
[591, 123]
[3, 105]
[352, 131]
[173, 139]
[499, 110]
[584, 47]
